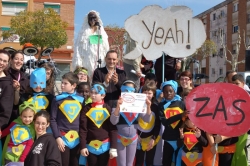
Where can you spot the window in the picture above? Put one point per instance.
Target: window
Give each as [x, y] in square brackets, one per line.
[221, 71]
[221, 52]
[235, 7]
[55, 6]
[13, 8]
[222, 13]
[213, 72]
[63, 68]
[214, 33]
[203, 70]
[248, 18]
[214, 16]
[234, 49]
[221, 32]
[235, 28]
[2, 29]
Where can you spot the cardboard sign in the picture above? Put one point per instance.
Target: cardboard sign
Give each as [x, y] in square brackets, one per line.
[133, 102]
[172, 30]
[220, 108]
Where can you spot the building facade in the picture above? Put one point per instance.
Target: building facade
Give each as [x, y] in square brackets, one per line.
[223, 21]
[66, 10]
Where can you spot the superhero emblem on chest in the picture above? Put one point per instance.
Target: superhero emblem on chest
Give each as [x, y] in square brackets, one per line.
[98, 115]
[40, 102]
[20, 134]
[190, 140]
[144, 126]
[71, 109]
[129, 117]
[169, 112]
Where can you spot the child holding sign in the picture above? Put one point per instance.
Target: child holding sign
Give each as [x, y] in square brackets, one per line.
[126, 123]
[148, 132]
[171, 115]
[193, 140]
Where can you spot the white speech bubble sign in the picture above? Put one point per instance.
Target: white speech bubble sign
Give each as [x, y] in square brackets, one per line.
[172, 30]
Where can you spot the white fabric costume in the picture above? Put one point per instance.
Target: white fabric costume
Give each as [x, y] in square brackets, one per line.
[85, 53]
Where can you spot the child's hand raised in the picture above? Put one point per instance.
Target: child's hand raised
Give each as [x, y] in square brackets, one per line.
[148, 102]
[197, 133]
[181, 133]
[119, 101]
[84, 152]
[60, 144]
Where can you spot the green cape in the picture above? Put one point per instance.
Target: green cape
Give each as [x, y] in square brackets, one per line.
[239, 158]
[12, 157]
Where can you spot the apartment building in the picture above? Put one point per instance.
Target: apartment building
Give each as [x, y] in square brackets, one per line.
[225, 19]
[65, 8]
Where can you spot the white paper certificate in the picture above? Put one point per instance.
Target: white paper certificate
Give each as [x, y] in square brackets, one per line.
[133, 102]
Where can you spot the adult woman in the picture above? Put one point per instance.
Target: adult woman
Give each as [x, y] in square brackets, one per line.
[82, 74]
[50, 79]
[44, 150]
[6, 90]
[20, 81]
[185, 82]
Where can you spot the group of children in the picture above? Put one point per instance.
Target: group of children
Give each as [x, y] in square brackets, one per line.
[87, 131]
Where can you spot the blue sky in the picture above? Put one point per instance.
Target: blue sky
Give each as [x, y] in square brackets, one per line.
[117, 11]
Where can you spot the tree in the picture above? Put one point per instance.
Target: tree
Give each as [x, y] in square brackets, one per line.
[234, 57]
[207, 48]
[42, 28]
[116, 37]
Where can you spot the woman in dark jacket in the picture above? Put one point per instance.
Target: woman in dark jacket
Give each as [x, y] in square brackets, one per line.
[20, 81]
[44, 151]
[6, 90]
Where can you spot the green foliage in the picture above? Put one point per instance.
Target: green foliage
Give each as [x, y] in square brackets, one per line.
[207, 48]
[42, 28]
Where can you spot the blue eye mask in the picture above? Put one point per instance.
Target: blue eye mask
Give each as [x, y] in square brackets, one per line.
[38, 78]
[99, 89]
[125, 88]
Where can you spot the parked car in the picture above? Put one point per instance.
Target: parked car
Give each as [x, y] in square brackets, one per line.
[220, 79]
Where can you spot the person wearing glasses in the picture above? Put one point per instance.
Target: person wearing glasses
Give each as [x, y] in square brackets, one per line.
[186, 82]
[92, 44]
[82, 74]
[44, 151]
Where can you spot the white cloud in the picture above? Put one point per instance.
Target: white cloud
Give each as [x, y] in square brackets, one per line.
[172, 30]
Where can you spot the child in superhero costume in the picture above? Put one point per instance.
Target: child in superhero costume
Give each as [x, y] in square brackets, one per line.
[171, 112]
[98, 136]
[126, 123]
[192, 140]
[83, 88]
[148, 132]
[65, 119]
[20, 135]
[38, 93]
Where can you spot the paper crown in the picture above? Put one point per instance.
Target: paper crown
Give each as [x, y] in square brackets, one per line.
[38, 78]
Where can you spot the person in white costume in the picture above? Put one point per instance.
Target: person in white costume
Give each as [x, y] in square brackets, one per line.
[86, 46]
